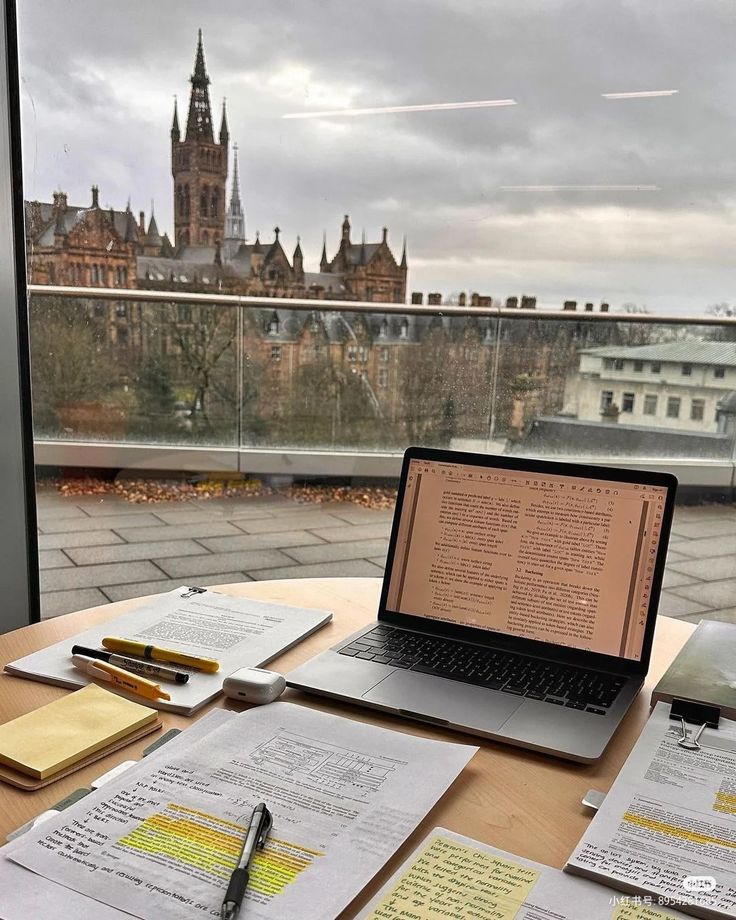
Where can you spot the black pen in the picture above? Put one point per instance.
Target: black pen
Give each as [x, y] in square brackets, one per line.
[260, 825]
[135, 665]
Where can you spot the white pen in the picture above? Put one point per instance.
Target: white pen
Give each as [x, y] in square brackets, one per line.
[124, 680]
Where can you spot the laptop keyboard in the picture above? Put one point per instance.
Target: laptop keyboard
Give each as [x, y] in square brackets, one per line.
[548, 681]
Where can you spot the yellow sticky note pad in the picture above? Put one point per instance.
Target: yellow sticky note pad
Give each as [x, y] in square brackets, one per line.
[449, 879]
[45, 741]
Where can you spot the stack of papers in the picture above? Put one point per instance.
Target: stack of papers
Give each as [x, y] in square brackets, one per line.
[667, 828]
[161, 841]
[237, 631]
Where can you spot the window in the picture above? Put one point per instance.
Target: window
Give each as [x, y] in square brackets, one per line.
[618, 364]
[352, 353]
[627, 402]
[122, 336]
[687, 370]
[184, 312]
[606, 399]
[673, 407]
[275, 352]
[608, 364]
[697, 410]
[650, 404]
[121, 310]
[638, 366]
[383, 377]
[656, 367]
[383, 355]
[719, 372]
[99, 308]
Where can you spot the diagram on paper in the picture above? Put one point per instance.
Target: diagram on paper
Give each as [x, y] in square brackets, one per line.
[331, 767]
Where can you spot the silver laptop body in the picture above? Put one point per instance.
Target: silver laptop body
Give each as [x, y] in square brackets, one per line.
[518, 603]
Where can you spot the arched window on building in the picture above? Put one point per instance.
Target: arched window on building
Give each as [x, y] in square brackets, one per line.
[186, 201]
[215, 204]
[203, 202]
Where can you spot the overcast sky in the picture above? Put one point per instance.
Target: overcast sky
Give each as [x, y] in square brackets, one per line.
[98, 80]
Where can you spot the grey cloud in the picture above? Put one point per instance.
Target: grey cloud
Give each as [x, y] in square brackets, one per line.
[102, 77]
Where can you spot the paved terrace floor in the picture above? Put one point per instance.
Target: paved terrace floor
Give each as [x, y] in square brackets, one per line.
[95, 549]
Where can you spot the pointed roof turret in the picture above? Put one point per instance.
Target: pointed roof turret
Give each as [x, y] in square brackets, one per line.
[153, 237]
[257, 245]
[346, 229]
[362, 249]
[199, 122]
[224, 133]
[323, 263]
[403, 255]
[235, 218]
[131, 228]
[175, 133]
[298, 250]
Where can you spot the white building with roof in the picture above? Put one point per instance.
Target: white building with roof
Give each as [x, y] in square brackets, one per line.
[676, 385]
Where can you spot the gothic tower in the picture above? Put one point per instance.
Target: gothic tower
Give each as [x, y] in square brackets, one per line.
[199, 166]
[234, 217]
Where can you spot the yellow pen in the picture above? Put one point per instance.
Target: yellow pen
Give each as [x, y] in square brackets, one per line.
[154, 653]
[102, 670]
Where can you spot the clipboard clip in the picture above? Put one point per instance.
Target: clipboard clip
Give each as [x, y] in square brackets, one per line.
[190, 592]
[695, 712]
[699, 713]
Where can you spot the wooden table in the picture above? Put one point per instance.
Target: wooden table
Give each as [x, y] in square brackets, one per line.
[514, 799]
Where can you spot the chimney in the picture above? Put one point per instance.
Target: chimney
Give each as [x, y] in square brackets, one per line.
[604, 308]
[461, 299]
[385, 234]
[528, 303]
[434, 299]
[95, 197]
[417, 298]
[512, 303]
[588, 307]
[570, 305]
[142, 222]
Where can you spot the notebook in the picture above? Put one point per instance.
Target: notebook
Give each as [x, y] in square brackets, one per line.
[705, 669]
[53, 737]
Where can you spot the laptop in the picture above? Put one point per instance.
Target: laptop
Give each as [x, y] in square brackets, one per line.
[519, 601]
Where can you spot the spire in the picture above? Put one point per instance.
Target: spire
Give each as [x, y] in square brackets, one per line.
[153, 237]
[224, 133]
[257, 245]
[298, 261]
[131, 228]
[235, 219]
[199, 122]
[323, 263]
[346, 229]
[298, 250]
[175, 133]
[403, 255]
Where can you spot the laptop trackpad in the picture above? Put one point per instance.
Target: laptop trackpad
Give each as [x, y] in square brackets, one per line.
[459, 704]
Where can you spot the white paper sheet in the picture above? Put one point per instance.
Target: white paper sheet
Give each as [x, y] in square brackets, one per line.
[451, 877]
[237, 631]
[161, 843]
[24, 895]
[670, 820]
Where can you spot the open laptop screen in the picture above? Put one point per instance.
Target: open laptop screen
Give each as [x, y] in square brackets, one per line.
[555, 558]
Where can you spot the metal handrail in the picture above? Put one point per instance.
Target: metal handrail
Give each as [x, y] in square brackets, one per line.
[363, 306]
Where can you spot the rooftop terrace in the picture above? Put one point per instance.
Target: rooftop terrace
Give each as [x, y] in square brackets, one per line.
[95, 549]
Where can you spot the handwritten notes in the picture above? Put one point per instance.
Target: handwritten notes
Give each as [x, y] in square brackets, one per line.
[450, 879]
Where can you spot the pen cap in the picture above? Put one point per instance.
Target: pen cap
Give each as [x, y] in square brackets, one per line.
[254, 685]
